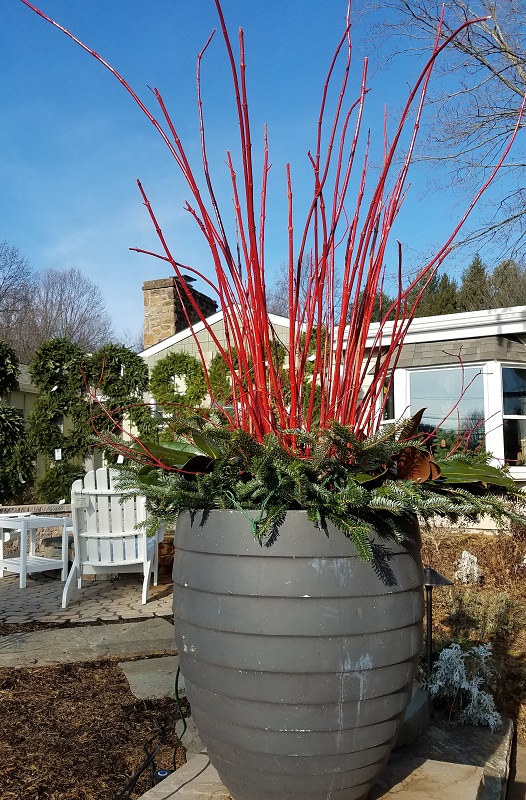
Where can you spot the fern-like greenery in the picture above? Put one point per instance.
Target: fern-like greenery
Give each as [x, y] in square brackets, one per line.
[332, 476]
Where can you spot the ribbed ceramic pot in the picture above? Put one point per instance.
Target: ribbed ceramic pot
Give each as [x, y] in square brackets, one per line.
[298, 659]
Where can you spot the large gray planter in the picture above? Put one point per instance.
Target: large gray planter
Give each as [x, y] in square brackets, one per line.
[298, 659]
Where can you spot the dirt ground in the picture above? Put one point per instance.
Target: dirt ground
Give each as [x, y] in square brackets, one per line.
[76, 732]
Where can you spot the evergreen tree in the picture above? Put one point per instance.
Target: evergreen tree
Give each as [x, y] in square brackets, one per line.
[382, 303]
[508, 285]
[475, 290]
[440, 297]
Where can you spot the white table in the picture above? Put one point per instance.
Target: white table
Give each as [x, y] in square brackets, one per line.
[20, 525]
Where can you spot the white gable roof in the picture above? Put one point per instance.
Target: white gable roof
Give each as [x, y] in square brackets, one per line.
[445, 327]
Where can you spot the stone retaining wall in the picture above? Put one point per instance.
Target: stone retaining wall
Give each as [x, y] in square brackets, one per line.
[44, 510]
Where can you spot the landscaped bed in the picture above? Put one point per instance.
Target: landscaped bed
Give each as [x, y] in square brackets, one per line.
[491, 610]
[76, 732]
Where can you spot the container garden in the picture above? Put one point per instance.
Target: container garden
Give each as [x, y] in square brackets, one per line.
[298, 662]
[288, 486]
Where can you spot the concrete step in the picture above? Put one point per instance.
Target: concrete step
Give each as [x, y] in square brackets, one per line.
[409, 779]
[87, 643]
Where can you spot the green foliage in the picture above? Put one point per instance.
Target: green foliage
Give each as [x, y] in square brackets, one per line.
[11, 427]
[219, 377]
[475, 291]
[46, 426]
[332, 475]
[9, 370]
[479, 289]
[119, 373]
[120, 376]
[440, 297]
[55, 485]
[60, 418]
[508, 285]
[56, 369]
[45, 433]
[382, 303]
[16, 467]
[178, 365]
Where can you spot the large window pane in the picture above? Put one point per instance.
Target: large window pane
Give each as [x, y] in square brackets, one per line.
[514, 391]
[515, 442]
[454, 403]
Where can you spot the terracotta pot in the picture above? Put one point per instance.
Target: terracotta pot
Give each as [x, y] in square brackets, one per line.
[298, 659]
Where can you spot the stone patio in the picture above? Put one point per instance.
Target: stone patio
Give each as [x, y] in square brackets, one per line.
[101, 600]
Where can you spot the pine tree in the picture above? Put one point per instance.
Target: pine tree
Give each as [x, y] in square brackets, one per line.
[475, 291]
[508, 285]
[440, 297]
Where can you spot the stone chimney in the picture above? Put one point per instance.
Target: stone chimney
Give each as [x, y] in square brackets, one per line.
[163, 313]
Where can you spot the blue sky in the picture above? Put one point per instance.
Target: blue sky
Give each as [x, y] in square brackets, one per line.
[72, 142]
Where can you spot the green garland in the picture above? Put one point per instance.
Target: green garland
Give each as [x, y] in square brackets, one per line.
[56, 482]
[119, 373]
[17, 465]
[176, 365]
[9, 369]
[219, 377]
[60, 418]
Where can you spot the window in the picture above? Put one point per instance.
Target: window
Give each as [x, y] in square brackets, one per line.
[388, 400]
[514, 415]
[454, 403]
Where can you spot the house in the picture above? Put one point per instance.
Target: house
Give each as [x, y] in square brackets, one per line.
[467, 370]
[25, 397]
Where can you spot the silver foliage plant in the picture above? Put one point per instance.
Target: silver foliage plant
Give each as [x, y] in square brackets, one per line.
[467, 569]
[458, 677]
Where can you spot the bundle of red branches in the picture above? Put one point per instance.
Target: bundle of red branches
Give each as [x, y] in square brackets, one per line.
[336, 258]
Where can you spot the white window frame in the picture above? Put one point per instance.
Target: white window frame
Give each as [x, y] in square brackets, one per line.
[516, 472]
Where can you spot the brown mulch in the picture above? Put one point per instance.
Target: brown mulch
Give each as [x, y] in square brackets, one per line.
[76, 732]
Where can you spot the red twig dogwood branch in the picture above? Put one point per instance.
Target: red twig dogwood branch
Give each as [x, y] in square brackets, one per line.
[338, 362]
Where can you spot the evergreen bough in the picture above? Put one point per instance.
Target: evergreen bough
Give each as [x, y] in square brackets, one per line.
[334, 476]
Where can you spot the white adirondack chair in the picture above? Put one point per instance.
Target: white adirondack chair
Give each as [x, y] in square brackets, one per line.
[105, 536]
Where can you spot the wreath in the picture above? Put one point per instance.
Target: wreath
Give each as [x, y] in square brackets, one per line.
[178, 365]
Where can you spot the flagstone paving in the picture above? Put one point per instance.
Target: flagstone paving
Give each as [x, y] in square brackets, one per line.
[104, 600]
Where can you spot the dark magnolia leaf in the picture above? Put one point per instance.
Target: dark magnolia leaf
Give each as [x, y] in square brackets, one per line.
[198, 463]
[182, 446]
[458, 472]
[167, 456]
[171, 454]
[205, 446]
[410, 426]
[413, 464]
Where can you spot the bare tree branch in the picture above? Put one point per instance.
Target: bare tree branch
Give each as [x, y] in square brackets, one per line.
[474, 118]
